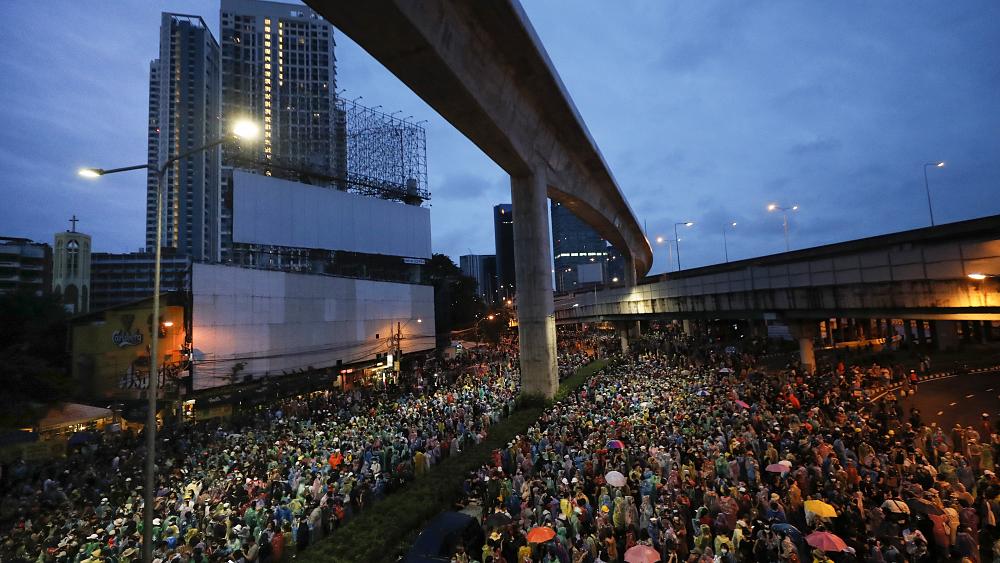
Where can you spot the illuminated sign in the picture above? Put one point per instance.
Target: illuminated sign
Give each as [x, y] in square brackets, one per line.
[125, 336]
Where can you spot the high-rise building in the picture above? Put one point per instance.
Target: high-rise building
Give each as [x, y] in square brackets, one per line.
[185, 98]
[126, 278]
[503, 234]
[482, 268]
[279, 70]
[579, 253]
[71, 269]
[25, 266]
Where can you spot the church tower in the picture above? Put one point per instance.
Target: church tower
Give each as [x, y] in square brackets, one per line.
[71, 269]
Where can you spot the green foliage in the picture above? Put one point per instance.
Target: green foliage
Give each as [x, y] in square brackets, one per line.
[456, 302]
[375, 534]
[33, 357]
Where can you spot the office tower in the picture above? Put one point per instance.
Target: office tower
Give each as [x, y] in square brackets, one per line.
[279, 70]
[25, 266]
[482, 268]
[503, 233]
[187, 106]
[578, 252]
[71, 269]
[125, 278]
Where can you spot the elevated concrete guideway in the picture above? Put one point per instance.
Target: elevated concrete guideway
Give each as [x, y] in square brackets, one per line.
[482, 67]
[920, 274]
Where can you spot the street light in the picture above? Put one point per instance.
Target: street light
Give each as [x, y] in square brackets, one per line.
[677, 241]
[980, 277]
[725, 243]
[242, 130]
[927, 187]
[784, 211]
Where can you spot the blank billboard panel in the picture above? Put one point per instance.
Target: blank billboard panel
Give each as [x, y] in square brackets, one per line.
[272, 211]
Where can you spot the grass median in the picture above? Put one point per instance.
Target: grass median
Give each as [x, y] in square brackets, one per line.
[376, 533]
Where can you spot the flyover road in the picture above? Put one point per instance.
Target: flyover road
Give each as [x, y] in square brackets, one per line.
[961, 399]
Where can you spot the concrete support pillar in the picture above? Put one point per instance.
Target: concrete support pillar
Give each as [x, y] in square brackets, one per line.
[533, 272]
[686, 325]
[805, 332]
[946, 335]
[622, 329]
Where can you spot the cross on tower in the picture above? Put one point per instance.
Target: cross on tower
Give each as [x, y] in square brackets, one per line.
[73, 222]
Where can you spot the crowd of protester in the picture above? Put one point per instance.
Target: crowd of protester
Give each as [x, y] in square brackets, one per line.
[262, 485]
[687, 452]
[684, 448]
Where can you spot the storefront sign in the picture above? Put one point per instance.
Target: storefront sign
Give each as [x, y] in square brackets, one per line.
[125, 336]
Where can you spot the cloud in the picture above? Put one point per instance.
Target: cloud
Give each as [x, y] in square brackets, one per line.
[816, 146]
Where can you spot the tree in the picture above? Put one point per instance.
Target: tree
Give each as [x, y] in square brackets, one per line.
[34, 357]
[455, 301]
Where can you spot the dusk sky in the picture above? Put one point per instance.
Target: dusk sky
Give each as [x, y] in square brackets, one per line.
[704, 110]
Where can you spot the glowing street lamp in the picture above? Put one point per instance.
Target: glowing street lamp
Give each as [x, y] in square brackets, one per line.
[725, 243]
[677, 242]
[927, 187]
[784, 212]
[244, 130]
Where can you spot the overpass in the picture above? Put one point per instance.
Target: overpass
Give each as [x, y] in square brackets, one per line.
[922, 274]
[483, 68]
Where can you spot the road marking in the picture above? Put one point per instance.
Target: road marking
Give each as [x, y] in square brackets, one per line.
[990, 389]
[952, 404]
[969, 396]
[940, 413]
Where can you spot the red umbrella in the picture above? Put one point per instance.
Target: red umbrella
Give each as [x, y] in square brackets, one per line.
[777, 468]
[540, 534]
[826, 541]
[641, 554]
[742, 404]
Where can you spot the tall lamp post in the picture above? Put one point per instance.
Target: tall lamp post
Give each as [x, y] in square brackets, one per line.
[243, 130]
[927, 187]
[677, 241]
[725, 243]
[784, 211]
[670, 249]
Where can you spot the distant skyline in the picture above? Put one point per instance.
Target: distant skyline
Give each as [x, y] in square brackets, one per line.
[704, 111]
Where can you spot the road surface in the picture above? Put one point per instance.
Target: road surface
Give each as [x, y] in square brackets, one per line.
[961, 399]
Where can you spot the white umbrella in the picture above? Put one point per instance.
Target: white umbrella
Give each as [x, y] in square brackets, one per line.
[615, 479]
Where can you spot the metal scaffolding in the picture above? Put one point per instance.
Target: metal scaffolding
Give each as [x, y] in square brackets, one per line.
[386, 156]
[375, 154]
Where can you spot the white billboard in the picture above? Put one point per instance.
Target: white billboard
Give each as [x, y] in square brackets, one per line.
[272, 211]
[590, 273]
[261, 322]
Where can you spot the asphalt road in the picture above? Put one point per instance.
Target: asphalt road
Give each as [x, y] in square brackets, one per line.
[960, 399]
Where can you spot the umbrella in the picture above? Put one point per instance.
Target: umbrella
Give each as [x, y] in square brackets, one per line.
[685, 372]
[615, 445]
[821, 509]
[826, 541]
[786, 463]
[777, 468]
[701, 393]
[792, 531]
[742, 404]
[615, 479]
[540, 534]
[497, 520]
[641, 554]
[725, 370]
